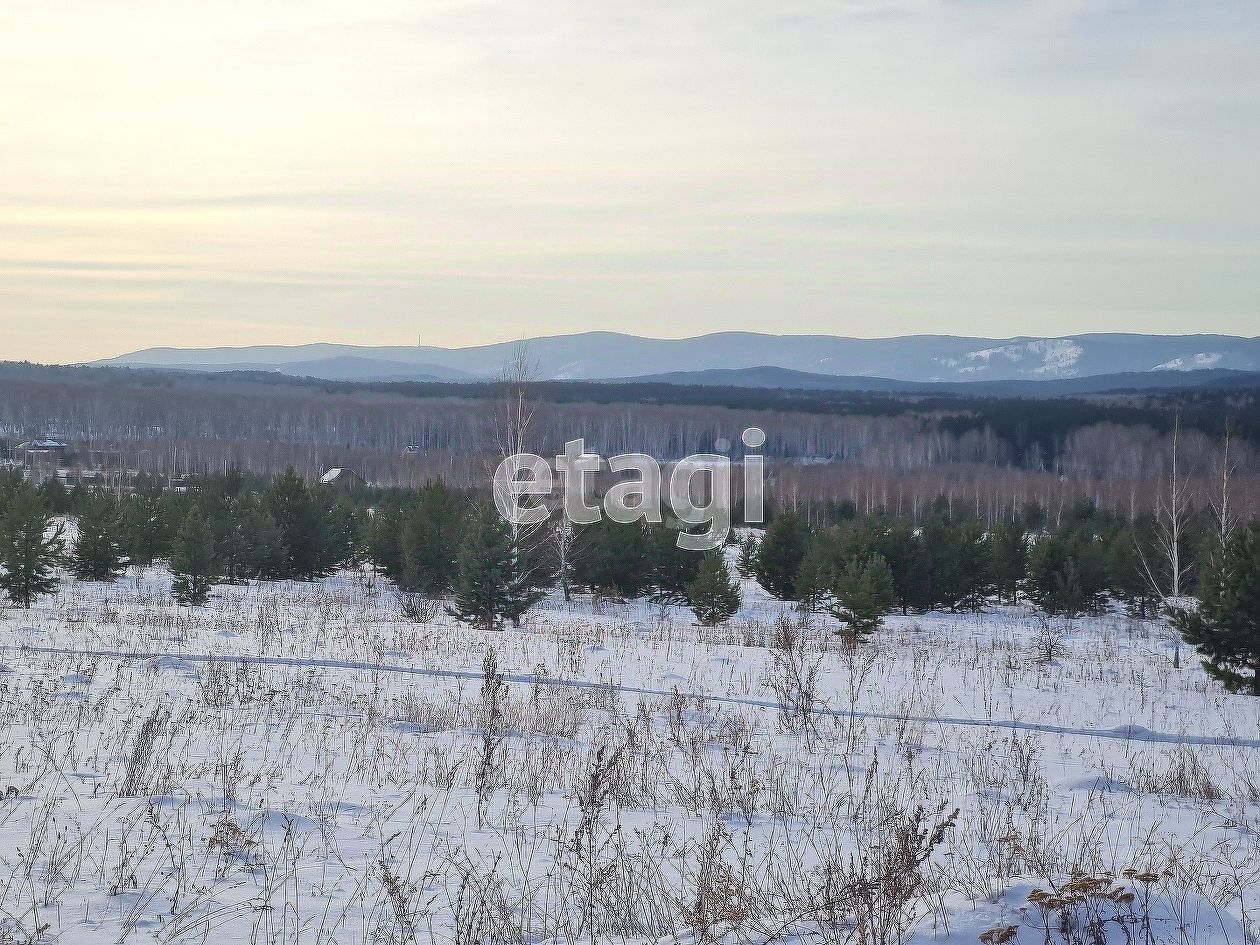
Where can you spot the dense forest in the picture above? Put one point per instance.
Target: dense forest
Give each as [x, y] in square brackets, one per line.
[894, 450]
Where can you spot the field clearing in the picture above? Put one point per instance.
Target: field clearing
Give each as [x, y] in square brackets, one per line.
[298, 763]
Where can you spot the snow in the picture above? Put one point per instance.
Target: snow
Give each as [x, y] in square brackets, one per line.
[1197, 362]
[314, 766]
[1058, 356]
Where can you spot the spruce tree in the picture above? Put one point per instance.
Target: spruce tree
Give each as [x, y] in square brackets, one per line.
[30, 548]
[96, 555]
[714, 595]
[192, 560]
[863, 594]
[1225, 628]
[490, 586]
[780, 554]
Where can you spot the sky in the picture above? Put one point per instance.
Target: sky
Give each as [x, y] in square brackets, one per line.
[461, 172]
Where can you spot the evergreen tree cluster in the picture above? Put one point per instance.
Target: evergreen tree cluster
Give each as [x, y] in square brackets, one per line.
[865, 567]
[1225, 626]
[224, 528]
[449, 544]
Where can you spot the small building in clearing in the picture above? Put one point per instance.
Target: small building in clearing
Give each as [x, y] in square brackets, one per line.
[43, 447]
[342, 478]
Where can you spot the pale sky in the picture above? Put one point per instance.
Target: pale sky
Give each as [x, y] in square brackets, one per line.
[224, 172]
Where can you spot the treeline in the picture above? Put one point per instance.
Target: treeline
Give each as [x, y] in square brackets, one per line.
[437, 542]
[864, 568]
[441, 544]
[287, 529]
[957, 564]
[900, 431]
[1023, 417]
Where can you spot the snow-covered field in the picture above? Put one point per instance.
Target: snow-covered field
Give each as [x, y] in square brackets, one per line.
[297, 763]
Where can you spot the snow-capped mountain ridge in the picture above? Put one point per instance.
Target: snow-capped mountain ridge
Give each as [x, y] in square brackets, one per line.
[601, 355]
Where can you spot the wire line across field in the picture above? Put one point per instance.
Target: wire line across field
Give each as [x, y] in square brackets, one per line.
[1130, 733]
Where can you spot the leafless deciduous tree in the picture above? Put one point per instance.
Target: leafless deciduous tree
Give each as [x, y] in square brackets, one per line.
[1171, 509]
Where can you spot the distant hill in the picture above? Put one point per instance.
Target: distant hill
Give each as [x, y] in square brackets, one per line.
[336, 368]
[601, 355]
[782, 378]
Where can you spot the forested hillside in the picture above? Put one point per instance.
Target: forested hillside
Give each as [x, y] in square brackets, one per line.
[899, 451]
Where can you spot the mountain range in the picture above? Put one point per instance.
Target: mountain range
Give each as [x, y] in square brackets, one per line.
[744, 359]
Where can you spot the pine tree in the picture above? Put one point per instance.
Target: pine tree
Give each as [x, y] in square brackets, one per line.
[192, 560]
[308, 546]
[140, 532]
[429, 540]
[672, 568]
[976, 584]
[344, 547]
[1007, 546]
[941, 573]
[1126, 570]
[1067, 572]
[10, 483]
[232, 540]
[714, 595]
[615, 558]
[1225, 628]
[490, 586]
[30, 548]
[780, 554]
[747, 555]
[815, 577]
[57, 500]
[265, 557]
[96, 555]
[863, 594]
[908, 561]
[959, 572]
[384, 541]
[538, 557]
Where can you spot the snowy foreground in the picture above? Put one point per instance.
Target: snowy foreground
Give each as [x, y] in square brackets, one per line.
[297, 763]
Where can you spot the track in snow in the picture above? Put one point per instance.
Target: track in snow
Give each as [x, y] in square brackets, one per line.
[1130, 733]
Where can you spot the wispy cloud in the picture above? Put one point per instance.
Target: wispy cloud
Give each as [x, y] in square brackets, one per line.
[478, 169]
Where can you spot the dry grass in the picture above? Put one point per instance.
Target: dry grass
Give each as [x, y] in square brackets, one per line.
[307, 803]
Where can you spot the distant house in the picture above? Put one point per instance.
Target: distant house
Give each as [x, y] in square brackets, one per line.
[343, 478]
[42, 447]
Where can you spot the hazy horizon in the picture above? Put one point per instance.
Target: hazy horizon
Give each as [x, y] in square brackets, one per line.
[782, 334]
[468, 172]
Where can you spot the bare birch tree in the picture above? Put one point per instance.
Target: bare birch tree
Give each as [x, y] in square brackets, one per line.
[1170, 523]
[1220, 502]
